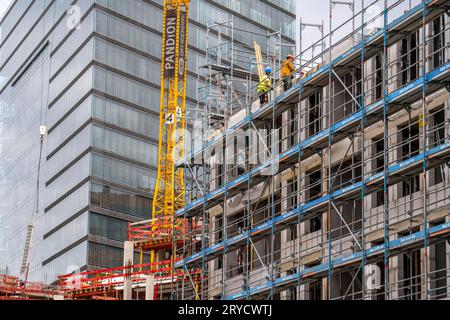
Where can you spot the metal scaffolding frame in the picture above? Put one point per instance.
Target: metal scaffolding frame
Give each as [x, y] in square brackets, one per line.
[254, 212]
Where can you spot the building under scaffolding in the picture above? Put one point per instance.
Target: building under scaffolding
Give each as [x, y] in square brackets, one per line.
[338, 188]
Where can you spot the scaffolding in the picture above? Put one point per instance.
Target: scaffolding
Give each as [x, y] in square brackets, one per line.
[337, 188]
[230, 73]
[137, 279]
[11, 288]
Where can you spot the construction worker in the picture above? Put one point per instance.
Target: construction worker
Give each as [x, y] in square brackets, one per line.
[287, 72]
[264, 87]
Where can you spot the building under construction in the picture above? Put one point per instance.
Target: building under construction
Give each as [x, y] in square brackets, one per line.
[337, 188]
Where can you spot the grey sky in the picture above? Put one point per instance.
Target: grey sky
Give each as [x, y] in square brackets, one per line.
[314, 11]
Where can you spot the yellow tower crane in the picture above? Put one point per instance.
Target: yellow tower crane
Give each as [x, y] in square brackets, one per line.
[169, 190]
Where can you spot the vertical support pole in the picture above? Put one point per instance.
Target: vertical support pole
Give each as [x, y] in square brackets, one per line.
[205, 224]
[274, 150]
[353, 21]
[300, 36]
[363, 147]
[248, 218]
[386, 155]
[280, 51]
[226, 181]
[300, 173]
[330, 113]
[424, 162]
[323, 39]
[224, 224]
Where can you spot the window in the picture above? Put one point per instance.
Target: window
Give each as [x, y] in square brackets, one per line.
[293, 126]
[315, 224]
[108, 227]
[378, 166]
[123, 173]
[292, 232]
[410, 145]
[357, 89]
[410, 57]
[314, 105]
[292, 202]
[279, 131]
[121, 201]
[378, 77]
[124, 145]
[291, 293]
[437, 137]
[313, 184]
[437, 123]
[217, 169]
[218, 263]
[292, 193]
[438, 40]
[346, 173]
[409, 138]
[125, 117]
[438, 267]
[315, 290]
[219, 229]
[105, 256]
[346, 93]
[411, 280]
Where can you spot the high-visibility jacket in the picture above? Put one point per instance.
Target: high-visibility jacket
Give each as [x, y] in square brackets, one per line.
[265, 85]
[287, 68]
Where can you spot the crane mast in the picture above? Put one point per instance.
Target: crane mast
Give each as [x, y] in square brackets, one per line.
[169, 189]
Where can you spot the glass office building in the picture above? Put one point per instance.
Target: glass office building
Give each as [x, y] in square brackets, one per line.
[90, 71]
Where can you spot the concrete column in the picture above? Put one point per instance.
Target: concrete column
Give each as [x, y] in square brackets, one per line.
[127, 289]
[301, 293]
[394, 52]
[128, 256]
[325, 289]
[421, 49]
[326, 93]
[284, 191]
[149, 287]
[429, 46]
[369, 81]
[393, 156]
